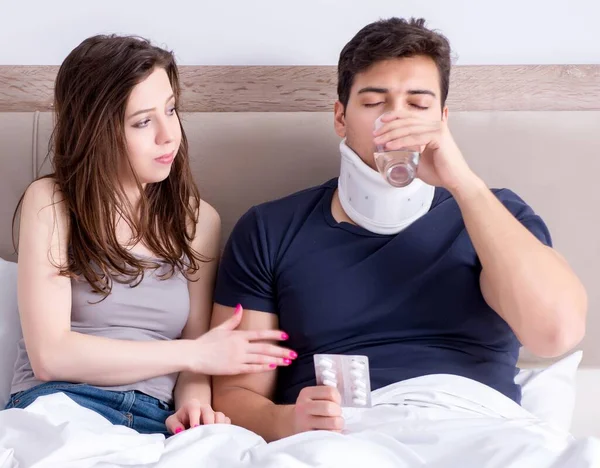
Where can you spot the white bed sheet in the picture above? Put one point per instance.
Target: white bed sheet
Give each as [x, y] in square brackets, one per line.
[434, 421]
[586, 417]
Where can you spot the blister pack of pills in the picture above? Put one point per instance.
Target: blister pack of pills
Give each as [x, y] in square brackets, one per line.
[349, 374]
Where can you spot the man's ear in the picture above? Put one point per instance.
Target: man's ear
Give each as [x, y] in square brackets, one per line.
[445, 114]
[339, 119]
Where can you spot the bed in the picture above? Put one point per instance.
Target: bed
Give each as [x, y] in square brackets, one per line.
[269, 131]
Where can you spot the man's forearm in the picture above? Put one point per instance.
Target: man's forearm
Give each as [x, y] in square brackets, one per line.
[254, 412]
[527, 283]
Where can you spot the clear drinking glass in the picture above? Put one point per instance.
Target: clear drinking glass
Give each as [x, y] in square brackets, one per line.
[398, 167]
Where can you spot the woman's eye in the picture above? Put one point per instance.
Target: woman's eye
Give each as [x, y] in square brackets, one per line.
[142, 124]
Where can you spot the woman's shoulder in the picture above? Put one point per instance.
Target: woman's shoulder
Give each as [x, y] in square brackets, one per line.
[44, 197]
[208, 215]
[208, 228]
[44, 221]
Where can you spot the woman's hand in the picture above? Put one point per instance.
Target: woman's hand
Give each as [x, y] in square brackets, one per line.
[192, 414]
[227, 351]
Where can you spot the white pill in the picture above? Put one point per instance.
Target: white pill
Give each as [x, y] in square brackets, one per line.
[328, 374]
[359, 401]
[358, 365]
[330, 383]
[326, 363]
[356, 373]
[359, 384]
[360, 393]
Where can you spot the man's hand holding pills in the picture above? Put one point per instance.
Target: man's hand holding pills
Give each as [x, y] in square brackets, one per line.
[317, 408]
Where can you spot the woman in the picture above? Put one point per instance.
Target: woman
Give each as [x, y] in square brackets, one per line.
[118, 253]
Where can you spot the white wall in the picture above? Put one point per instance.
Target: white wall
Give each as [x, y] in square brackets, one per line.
[305, 32]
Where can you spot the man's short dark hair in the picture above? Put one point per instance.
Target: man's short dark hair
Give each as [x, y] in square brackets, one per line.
[388, 39]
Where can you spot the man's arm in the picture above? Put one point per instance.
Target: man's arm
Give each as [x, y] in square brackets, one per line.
[527, 283]
[248, 398]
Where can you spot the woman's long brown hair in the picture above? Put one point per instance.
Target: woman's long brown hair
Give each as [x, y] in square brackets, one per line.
[88, 141]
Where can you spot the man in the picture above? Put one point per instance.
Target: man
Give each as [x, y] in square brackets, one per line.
[451, 280]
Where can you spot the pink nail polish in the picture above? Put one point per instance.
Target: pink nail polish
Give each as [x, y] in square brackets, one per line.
[272, 366]
[178, 430]
[284, 336]
[293, 355]
[238, 309]
[195, 425]
[287, 361]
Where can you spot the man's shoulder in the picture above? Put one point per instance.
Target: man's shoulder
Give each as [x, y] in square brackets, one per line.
[279, 213]
[293, 204]
[505, 195]
[514, 203]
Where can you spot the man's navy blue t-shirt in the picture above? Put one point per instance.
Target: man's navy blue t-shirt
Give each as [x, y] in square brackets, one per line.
[411, 302]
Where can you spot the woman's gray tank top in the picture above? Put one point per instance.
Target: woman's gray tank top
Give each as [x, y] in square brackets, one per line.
[155, 309]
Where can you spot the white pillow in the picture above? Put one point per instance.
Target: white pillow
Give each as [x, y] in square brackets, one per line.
[549, 393]
[10, 327]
